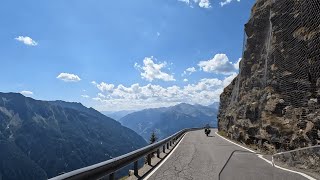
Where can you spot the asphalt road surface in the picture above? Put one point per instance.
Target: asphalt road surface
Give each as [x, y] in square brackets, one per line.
[199, 157]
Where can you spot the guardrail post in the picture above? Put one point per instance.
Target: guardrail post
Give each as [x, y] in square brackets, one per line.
[135, 168]
[158, 153]
[111, 176]
[149, 159]
[110, 167]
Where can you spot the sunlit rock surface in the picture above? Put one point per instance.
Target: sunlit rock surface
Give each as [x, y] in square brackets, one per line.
[273, 104]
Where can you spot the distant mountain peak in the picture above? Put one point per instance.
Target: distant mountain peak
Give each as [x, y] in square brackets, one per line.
[169, 119]
[34, 132]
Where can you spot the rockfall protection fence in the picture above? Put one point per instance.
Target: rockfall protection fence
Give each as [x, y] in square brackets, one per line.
[110, 167]
[294, 50]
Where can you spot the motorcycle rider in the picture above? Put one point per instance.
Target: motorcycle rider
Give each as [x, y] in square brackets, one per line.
[207, 130]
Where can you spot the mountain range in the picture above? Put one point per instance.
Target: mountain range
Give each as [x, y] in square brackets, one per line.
[117, 115]
[168, 120]
[41, 139]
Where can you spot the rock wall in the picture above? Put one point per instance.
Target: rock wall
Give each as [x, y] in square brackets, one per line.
[274, 101]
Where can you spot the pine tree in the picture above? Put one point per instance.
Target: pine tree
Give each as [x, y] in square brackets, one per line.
[153, 137]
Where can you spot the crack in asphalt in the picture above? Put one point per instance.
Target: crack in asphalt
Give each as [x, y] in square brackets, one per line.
[199, 157]
[183, 163]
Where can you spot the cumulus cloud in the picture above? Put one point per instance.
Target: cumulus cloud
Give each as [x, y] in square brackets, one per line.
[219, 64]
[237, 64]
[203, 3]
[85, 96]
[205, 91]
[200, 3]
[27, 93]
[223, 3]
[26, 40]
[103, 87]
[135, 96]
[185, 1]
[101, 95]
[189, 71]
[229, 79]
[67, 77]
[151, 70]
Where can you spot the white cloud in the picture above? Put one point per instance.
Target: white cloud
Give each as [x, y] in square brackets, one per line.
[104, 87]
[204, 85]
[26, 40]
[67, 77]
[101, 95]
[223, 3]
[205, 92]
[237, 64]
[219, 64]
[97, 99]
[85, 96]
[229, 79]
[151, 71]
[135, 97]
[200, 3]
[185, 1]
[204, 3]
[27, 93]
[189, 71]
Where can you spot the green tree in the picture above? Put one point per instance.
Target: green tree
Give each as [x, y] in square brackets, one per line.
[153, 138]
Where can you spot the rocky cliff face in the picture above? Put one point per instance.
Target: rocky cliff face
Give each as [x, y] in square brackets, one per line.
[274, 101]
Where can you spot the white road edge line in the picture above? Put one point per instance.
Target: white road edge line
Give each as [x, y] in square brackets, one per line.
[166, 158]
[260, 156]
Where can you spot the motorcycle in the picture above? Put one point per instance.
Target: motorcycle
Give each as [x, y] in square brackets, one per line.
[207, 131]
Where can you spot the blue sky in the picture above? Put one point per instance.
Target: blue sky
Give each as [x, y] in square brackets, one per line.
[117, 55]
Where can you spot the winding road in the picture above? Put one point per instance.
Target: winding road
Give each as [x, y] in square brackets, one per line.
[198, 157]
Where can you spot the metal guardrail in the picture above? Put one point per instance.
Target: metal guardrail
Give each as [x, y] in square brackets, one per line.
[109, 167]
[273, 159]
[303, 160]
[295, 150]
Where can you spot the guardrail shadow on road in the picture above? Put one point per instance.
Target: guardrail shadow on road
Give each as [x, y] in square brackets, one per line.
[245, 165]
[298, 164]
